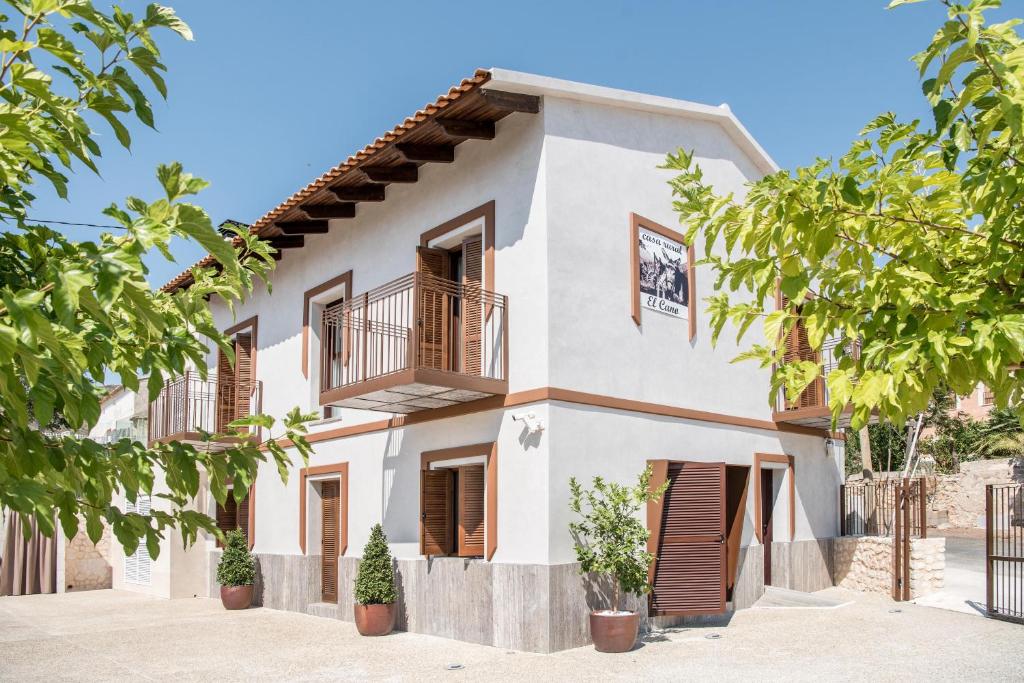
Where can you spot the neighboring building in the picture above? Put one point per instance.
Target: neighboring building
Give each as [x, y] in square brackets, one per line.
[482, 303]
[977, 405]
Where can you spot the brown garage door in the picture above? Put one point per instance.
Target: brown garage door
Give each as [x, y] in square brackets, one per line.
[689, 574]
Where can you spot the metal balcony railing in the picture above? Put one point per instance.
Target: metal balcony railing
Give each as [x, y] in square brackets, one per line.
[190, 404]
[415, 323]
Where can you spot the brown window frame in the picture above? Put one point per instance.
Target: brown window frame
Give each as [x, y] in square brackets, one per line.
[252, 326]
[341, 470]
[307, 296]
[490, 452]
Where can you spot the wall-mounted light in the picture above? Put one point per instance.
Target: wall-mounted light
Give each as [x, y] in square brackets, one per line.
[533, 425]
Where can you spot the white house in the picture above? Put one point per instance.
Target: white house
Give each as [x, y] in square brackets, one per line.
[482, 303]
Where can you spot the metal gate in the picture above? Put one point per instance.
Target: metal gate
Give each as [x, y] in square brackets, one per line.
[1004, 551]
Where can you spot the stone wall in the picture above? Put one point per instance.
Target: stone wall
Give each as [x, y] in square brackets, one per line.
[958, 500]
[864, 563]
[87, 566]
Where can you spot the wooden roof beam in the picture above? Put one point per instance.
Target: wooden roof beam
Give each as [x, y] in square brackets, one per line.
[404, 173]
[511, 101]
[475, 130]
[302, 227]
[287, 241]
[336, 210]
[359, 193]
[439, 154]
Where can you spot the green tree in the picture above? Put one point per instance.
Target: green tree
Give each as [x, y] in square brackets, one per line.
[912, 243]
[237, 566]
[375, 582]
[610, 539]
[72, 312]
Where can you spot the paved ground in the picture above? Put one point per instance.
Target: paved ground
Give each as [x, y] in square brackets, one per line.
[109, 635]
[964, 589]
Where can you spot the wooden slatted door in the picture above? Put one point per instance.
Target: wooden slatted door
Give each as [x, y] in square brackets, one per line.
[434, 310]
[472, 303]
[689, 574]
[471, 511]
[436, 512]
[329, 539]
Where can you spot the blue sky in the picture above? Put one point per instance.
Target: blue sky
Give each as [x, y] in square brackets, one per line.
[271, 94]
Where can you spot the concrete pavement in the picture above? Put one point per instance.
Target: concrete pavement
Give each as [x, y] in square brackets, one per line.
[109, 635]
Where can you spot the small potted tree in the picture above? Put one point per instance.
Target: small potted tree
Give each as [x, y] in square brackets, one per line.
[375, 587]
[611, 541]
[236, 572]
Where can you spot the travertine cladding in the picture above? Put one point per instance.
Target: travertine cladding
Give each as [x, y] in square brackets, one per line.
[87, 566]
[959, 499]
[864, 563]
[531, 607]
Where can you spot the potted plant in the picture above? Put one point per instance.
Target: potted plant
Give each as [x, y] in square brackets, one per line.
[611, 541]
[236, 572]
[375, 587]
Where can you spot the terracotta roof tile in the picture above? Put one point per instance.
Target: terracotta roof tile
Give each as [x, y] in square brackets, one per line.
[411, 123]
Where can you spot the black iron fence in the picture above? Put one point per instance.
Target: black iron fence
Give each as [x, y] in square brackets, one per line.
[1004, 551]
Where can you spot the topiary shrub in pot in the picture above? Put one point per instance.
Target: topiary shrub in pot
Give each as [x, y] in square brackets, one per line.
[611, 541]
[236, 572]
[375, 587]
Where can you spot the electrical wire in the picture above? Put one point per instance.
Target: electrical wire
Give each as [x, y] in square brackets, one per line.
[84, 225]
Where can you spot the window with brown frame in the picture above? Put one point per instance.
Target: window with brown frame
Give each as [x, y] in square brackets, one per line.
[452, 513]
[233, 515]
[235, 382]
[988, 397]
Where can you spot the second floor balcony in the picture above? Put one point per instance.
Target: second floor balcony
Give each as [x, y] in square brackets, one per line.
[189, 405]
[417, 343]
[811, 407]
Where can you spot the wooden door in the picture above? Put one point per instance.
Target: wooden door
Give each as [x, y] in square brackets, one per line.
[472, 305]
[436, 512]
[690, 571]
[471, 511]
[434, 310]
[329, 539]
[225, 393]
[767, 506]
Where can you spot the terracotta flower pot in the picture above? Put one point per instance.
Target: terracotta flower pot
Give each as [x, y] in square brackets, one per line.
[375, 620]
[236, 597]
[614, 632]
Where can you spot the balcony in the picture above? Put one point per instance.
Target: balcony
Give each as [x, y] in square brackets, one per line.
[811, 408]
[417, 343]
[190, 404]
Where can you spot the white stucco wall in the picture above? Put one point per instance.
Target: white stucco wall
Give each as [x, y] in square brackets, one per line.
[564, 182]
[120, 405]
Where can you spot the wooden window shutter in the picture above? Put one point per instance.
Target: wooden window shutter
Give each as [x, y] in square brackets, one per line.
[329, 539]
[690, 570]
[243, 374]
[798, 348]
[242, 516]
[225, 392]
[472, 307]
[227, 516]
[471, 511]
[434, 312]
[436, 512]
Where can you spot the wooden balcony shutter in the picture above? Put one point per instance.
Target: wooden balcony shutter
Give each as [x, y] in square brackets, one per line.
[798, 348]
[471, 511]
[472, 306]
[434, 312]
[329, 543]
[243, 375]
[689, 574]
[225, 392]
[436, 512]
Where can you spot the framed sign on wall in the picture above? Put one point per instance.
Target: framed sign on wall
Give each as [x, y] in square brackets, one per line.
[662, 273]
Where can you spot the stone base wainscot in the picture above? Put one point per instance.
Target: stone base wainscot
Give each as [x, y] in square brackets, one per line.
[864, 563]
[534, 608]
